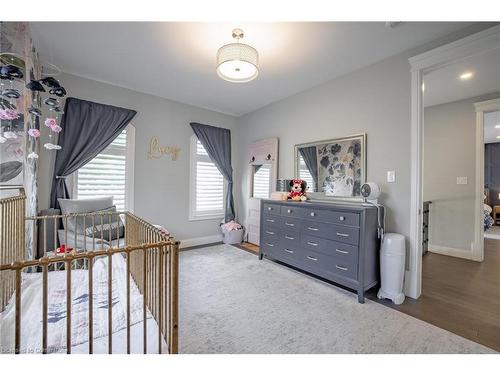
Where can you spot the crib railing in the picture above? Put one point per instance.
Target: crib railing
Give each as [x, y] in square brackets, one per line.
[12, 237]
[152, 260]
[160, 265]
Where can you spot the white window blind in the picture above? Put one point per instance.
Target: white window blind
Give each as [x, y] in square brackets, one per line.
[261, 181]
[207, 184]
[305, 175]
[106, 174]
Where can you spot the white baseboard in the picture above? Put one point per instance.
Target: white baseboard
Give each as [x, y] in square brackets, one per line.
[200, 241]
[459, 253]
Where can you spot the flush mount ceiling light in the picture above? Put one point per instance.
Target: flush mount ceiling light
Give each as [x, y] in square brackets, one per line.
[237, 62]
[466, 75]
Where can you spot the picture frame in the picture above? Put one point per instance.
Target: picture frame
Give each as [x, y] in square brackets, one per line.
[336, 168]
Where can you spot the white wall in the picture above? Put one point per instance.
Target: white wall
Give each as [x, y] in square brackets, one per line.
[161, 185]
[449, 152]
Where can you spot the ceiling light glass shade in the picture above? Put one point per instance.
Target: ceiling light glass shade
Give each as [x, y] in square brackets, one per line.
[237, 62]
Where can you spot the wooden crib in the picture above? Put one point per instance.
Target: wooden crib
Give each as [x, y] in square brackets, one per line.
[150, 259]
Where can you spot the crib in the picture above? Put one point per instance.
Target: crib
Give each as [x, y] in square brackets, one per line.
[98, 294]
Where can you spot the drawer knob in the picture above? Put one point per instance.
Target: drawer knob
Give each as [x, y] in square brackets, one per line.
[288, 251]
[312, 243]
[341, 251]
[312, 258]
[268, 232]
[313, 213]
[290, 224]
[269, 208]
[269, 244]
[270, 220]
[289, 211]
[342, 234]
[341, 268]
[342, 218]
[313, 229]
[289, 238]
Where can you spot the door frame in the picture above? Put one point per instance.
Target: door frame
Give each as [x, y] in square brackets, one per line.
[422, 64]
[481, 108]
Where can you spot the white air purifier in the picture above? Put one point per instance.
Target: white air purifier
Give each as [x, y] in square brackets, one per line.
[392, 268]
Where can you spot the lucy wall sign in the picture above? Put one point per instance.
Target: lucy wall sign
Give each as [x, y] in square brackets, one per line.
[156, 150]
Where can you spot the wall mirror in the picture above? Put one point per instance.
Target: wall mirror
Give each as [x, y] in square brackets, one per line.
[334, 168]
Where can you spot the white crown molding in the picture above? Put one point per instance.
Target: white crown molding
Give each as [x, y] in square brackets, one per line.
[478, 43]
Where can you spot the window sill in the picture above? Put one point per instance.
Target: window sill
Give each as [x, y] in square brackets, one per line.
[205, 217]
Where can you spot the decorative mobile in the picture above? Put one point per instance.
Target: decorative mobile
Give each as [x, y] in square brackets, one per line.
[52, 104]
[8, 111]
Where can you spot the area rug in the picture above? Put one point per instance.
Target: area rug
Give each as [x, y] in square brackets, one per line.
[232, 302]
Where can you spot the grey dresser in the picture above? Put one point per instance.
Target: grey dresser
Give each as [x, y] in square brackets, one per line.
[337, 242]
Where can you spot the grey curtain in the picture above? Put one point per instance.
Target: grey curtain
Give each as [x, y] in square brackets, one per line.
[311, 159]
[217, 143]
[87, 129]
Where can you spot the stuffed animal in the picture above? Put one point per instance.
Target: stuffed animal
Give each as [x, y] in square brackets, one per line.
[297, 190]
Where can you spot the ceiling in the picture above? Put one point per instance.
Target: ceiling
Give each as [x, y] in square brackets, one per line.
[176, 60]
[444, 85]
[491, 120]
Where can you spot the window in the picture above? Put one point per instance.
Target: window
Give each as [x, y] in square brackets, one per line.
[261, 181]
[111, 173]
[207, 186]
[305, 175]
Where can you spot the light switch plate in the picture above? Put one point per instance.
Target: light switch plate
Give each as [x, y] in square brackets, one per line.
[391, 176]
[462, 180]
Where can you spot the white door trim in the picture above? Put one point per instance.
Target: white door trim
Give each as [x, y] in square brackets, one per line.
[426, 62]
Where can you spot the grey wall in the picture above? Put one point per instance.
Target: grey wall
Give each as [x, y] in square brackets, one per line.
[161, 185]
[374, 100]
[450, 152]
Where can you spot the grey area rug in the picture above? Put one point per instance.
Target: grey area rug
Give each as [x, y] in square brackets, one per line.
[230, 302]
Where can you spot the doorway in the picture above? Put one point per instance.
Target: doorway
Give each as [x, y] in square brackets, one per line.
[457, 281]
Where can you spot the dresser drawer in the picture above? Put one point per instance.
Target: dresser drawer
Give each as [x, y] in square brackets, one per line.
[292, 211]
[272, 220]
[334, 217]
[340, 233]
[289, 240]
[325, 265]
[276, 247]
[269, 242]
[290, 224]
[336, 249]
[271, 209]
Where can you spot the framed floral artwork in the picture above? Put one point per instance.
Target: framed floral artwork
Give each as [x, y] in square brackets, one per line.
[333, 168]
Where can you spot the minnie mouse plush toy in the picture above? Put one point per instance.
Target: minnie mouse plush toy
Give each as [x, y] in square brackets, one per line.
[297, 190]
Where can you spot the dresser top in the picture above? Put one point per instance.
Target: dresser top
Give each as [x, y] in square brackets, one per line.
[337, 205]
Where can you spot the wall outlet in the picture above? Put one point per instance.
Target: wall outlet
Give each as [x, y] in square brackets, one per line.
[391, 176]
[462, 180]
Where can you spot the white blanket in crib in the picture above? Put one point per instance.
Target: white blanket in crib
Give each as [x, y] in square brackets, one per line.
[31, 308]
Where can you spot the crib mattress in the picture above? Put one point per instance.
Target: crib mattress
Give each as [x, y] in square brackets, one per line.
[31, 312]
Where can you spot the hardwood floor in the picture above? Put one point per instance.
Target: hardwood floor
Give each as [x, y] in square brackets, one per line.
[248, 247]
[459, 295]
